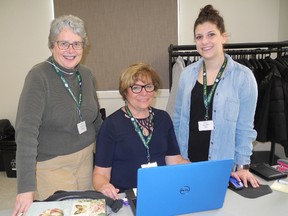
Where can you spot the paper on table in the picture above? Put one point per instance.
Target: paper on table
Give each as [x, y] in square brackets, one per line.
[69, 207]
[278, 186]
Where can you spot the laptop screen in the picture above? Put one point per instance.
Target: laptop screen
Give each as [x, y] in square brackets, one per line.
[180, 189]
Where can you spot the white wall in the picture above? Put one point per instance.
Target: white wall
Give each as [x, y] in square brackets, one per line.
[283, 18]
[245, 20]
[24, 42]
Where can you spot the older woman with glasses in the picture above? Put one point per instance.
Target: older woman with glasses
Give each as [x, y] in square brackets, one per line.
[137, 135]
[58, 119]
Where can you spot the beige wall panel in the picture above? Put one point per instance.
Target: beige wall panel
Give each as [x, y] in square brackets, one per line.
[122, 32]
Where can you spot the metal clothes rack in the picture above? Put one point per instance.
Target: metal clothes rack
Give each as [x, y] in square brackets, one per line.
[233, 49]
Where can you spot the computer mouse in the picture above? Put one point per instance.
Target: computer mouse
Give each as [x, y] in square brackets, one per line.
[235, 184]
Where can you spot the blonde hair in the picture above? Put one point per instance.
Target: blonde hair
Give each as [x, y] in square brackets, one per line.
[137, 72]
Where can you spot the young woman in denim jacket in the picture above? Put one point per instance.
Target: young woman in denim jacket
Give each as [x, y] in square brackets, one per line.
[216, 101]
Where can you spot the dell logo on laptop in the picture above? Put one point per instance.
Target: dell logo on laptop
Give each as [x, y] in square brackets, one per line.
[185, 190]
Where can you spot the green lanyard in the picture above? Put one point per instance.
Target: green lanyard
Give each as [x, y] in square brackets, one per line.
[138, 130]
[207, 99]
[80, 96]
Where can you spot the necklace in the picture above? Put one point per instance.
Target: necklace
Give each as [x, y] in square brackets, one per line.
[145, 140]
[145, 125]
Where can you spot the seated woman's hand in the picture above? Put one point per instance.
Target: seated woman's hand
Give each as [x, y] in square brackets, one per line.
[110, 191]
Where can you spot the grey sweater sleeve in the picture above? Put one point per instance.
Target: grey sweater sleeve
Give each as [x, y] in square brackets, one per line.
[28, 120]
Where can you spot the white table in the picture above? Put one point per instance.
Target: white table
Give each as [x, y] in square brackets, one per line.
[273, 204]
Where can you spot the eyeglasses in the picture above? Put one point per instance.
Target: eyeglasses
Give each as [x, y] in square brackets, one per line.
[138, 88]
[64, 45]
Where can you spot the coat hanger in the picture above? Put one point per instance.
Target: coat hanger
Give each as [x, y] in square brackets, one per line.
[264, 63]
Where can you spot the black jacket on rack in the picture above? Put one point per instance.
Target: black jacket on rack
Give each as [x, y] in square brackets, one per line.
[271, 117]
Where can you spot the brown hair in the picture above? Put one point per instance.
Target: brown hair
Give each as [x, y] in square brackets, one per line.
[135, 72]
[209, 14]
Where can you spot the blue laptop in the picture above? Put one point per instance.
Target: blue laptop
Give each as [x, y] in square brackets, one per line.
[180, 189]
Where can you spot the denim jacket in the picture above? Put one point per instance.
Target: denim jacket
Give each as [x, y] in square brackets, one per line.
[233, 112]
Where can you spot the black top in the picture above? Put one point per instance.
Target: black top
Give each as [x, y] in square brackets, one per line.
[198, 146]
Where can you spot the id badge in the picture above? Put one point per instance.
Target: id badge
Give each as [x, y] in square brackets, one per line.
[81, 127]
[154, 164]
[206, 125]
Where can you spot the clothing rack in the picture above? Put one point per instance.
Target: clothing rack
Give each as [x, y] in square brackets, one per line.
[253, 49]
[232, 48]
